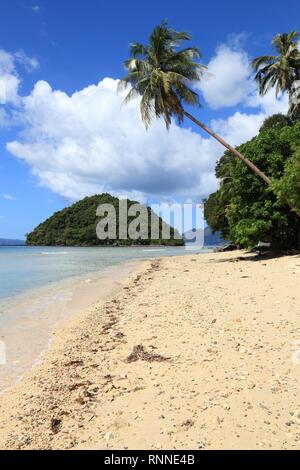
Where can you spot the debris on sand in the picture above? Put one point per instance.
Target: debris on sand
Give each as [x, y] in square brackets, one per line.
[188, 423]
[74, 363]
[105, 328]
[55, 425]
[139, 354]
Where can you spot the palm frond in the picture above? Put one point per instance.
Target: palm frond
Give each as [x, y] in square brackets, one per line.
[279, 71]
[160, 74]
[137, 50]
[263, 60]
[133, 93]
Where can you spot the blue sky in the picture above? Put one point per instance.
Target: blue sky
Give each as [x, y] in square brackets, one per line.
[77, 44]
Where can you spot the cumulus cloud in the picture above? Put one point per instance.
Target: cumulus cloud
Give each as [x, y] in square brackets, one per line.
[90, 142]
[9, 76]
[269, 104]
[4, 117]
[228, 80]
[239, 127]
[9, 80]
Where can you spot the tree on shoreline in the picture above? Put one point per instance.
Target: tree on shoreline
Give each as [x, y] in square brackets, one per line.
[283, 72]
[246, 212]
[161, 74]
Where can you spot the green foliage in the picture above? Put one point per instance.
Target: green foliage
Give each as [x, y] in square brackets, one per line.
[76, 226]
[276, 121]
[215, 214]
[161, 74]
[288, 187]
[245, 210]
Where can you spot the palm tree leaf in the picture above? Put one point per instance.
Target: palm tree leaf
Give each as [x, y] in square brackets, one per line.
[160, 73]
[137, 50]
[263, 60]
[282, 70]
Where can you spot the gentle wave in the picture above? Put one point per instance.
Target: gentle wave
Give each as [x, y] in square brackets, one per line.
[48, 253]
[152, 250]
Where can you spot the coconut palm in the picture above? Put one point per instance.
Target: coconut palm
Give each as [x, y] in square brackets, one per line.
[163, 75]
[281, 71]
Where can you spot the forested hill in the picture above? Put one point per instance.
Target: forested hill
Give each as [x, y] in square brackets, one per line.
[76, 226]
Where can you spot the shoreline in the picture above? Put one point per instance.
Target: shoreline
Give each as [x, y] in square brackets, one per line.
[54, 304]
[28, 317]
[193, 352]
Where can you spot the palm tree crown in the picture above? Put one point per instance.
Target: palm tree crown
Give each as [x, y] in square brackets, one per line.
[162, 74]
[282, 69]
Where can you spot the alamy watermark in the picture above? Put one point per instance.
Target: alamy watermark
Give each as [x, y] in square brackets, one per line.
[296, 352]
[2, 354]
[137, 222]
[295, 95]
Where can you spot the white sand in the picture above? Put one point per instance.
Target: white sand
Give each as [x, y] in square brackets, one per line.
[232, 379]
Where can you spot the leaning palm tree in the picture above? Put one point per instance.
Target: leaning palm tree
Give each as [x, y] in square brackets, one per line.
[281, 71]
[162, 75]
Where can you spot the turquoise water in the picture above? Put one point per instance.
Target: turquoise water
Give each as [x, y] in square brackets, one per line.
[23, 268]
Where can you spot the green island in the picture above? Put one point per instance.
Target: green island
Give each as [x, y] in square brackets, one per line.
[76, 226]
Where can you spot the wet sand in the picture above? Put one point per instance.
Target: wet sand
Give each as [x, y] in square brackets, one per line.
[194, 352]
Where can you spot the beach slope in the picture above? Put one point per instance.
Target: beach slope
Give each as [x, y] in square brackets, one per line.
[194, 352]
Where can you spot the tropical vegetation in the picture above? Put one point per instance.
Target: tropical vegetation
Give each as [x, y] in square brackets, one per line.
[247, 212]
[244, 210]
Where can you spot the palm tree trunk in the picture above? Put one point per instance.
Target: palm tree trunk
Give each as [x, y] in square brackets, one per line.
[251, 165]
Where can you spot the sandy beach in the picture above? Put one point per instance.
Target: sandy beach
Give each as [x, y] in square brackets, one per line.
[32, 317]
[192, 352]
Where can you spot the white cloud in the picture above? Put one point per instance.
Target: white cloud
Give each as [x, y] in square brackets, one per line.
[269, 104]
[9, 197]
[10, 80]
[239, 127]
[228, 80]
[4, 117]
[30, 63]
[90, 142]
[7, 65]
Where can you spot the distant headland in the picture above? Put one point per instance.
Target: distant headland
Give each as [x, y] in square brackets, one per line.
[11, 242]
